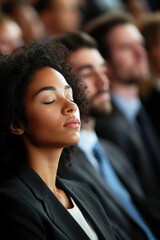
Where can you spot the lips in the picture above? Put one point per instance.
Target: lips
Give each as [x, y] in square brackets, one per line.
[72, 123]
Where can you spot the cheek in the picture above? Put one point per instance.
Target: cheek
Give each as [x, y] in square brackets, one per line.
[90, 94]
[122, 65]
[37, 119]
[91, 88]
[122, 60]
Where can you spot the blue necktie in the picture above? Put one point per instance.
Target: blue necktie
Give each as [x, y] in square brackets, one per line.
[113, 181]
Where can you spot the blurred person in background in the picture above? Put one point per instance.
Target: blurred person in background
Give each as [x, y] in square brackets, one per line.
[128, 125]
[28, 19]
[94, 8]
[59, 16]
[10, 34]
[137, 8]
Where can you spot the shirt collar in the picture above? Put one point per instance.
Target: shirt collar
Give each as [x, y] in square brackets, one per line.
[129, 107]
[88, 145]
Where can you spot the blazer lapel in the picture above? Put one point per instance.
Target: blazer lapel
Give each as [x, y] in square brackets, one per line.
[55, 211]
[123, 169]
[82, 198]
[128, 129]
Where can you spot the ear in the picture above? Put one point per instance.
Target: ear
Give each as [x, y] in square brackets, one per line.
[16, 130]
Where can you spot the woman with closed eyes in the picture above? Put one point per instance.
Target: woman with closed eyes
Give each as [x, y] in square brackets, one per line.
[39, 118]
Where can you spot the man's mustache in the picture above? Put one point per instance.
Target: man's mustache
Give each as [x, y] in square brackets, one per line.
[99, 92]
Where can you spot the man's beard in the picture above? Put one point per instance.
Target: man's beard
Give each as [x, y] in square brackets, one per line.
[134, 80]
[100, 111]
[131, 81]
[103, 109]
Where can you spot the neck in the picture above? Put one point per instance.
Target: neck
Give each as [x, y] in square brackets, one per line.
[45, 163]
[127, 91]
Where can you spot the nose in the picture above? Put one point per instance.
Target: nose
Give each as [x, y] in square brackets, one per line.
[102, 80]
[69, 107]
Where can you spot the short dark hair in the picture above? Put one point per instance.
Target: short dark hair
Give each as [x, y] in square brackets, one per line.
[101, 26]
[8, 6]
[16, 73]
[76, 40]
[149, 26]
[41, 5]
[5, 18]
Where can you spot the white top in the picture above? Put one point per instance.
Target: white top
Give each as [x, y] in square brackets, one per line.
[86, 226]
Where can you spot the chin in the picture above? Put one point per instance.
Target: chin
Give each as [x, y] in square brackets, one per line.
[101, 110]
[74, 140]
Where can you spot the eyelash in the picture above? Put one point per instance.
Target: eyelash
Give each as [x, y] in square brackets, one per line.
[47, 103]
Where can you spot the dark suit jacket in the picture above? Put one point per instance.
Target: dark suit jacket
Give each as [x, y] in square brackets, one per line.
[30, 211]
[81, 169]
[151, 104]
[116, 128]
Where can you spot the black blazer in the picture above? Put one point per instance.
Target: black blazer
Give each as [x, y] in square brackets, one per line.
[151, 104]
[30, 211]
[116, 128]
[81, 169]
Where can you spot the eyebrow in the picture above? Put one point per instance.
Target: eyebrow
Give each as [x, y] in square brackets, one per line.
[50, 88]
[89, 66]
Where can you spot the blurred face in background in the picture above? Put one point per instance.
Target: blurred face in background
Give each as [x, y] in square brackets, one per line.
[128, 63]
[65, 15]
[138, 8]
[10, 36]
[32, 27]
[92, 69]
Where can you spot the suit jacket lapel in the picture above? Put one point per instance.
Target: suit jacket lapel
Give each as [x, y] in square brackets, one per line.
[92, 215]
[57, 213]
[62, 218]
[150, 135]
[128, 129]
[123, 169]
[52, 207]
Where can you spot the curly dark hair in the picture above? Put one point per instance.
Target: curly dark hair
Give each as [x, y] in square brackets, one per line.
[16, 73]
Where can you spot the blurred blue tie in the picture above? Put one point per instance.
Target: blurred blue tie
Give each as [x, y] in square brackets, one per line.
[113, 181]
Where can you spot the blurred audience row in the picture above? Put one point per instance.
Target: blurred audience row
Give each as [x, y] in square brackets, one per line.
[42, 20]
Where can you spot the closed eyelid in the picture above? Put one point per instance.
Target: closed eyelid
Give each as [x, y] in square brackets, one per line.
[86, 73]
[48, 102]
